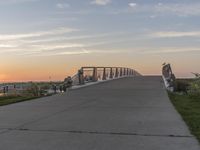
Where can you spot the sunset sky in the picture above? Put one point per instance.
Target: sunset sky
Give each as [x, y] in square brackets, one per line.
[53, 38]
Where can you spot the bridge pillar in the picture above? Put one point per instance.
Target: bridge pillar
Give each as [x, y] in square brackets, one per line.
[94, 76]
[130, 72]
[124, 71]
[104, 74]
[116, 73]
[111, 73]
[121, 72]
[80, 76]
[127, 71]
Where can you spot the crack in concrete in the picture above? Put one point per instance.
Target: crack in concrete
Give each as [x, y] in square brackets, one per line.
[102, 133]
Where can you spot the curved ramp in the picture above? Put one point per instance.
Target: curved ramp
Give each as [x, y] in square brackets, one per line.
[125, 114]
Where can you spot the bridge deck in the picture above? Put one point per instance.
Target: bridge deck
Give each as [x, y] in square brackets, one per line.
[124, 114]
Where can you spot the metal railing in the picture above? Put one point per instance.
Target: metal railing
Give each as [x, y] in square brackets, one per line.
[94, 74]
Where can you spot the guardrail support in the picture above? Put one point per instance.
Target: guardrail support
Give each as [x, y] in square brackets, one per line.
[104, 74]
[94, 76]
[116, 73]
[80, 76]
[132, 72]
[111, 73]
[121, 73]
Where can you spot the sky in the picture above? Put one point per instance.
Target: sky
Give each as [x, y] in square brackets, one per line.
[51, 39]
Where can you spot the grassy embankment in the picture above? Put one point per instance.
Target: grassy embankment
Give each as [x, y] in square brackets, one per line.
[34, 91]
[6, 100]
[189, 108]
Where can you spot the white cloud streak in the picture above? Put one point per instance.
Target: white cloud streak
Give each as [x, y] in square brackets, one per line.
[74, 52]
[62, 5]
[57, 46]
[180, 9]
[20, 44]
[36, 34]
[170, 50]
[132, 5]
[52, 42]
[160, 9]
[101, 2]
[173, 34]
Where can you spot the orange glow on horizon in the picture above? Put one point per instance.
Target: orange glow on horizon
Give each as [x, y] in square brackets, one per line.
[57, 68]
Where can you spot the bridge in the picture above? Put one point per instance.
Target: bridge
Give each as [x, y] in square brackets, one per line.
[125, 113]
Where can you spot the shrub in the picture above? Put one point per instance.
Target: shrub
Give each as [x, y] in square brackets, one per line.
[194, 88]
[33, 90]
[182, 85]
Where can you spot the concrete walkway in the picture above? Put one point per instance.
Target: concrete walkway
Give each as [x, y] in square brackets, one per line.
[125, 114]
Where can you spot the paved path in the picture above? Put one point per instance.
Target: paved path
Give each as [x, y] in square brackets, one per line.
[124, 114]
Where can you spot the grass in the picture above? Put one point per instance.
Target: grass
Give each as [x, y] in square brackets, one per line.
[6, 100]
[189, 108]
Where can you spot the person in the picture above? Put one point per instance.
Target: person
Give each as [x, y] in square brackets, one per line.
[67, 83]
[61, 88]
[64, 88]
[54, 88]
[81, 76]
[4, 90]
[7, 89]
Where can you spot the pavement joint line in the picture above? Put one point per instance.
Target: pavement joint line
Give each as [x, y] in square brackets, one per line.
[6, 130]
[102, 133]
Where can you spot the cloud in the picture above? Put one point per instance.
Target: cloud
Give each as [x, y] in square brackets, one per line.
[44, 50]
[20, 44]
[173, 34]
[180, 9]
[49, 43]
[50, 47]
[57, 31]
[55, 52]
[169, 50]
[160, 9]
[74, 52]
[101, 2]
[62, 5]
[7, 46]
[132, 5]
[72, 38]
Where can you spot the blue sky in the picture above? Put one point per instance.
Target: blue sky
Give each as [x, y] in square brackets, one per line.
[133, 33]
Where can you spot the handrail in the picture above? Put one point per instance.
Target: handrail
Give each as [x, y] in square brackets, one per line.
[93, 74]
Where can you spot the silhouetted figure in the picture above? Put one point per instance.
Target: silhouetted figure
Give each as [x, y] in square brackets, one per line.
[64, 88]
[81, 76]
[67, 83]
[61, 88]
[54, 88]
[4, 90]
